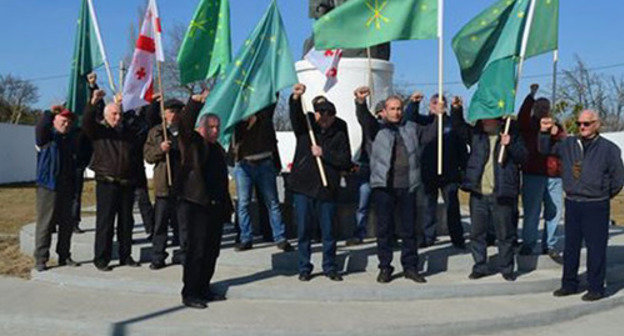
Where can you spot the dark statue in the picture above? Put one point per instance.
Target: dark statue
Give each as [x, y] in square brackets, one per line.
[319, 8]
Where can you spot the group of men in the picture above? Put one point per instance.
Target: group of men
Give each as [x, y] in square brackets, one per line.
[397, 163]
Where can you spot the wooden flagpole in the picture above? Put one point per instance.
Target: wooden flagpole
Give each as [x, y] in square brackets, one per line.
[96, 27]
[164, 122]
[319, 163]
[554, 81]
[371, 82]
[440, 82]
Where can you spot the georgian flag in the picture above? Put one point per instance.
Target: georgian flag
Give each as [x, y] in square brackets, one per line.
[138, 86]
[326, 61]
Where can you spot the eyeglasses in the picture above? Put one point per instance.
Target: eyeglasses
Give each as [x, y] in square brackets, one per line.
[585, 123]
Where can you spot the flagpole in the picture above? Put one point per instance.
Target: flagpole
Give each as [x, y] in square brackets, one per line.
[440, 81]
[554, 83]
[371, 82]
[319, 163]
[96, 26]
[523, 47]
[121, 75]
[164, 122]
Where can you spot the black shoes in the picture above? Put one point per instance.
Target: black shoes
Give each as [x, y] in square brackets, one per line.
[460, 245]
[130, 263]
[157, 265]
[591, 296]
[476, 275]
[105, 268]
[509, 276]
[561, 292]
[243, 246]
[194, 303]
[305, 276]
[68, 262]
[525, 250]
[211, 296]
[41, 267]
[284, 245]
[78, 230]
[334, 276]
[415, 276]
[353, 242]
[385, 275]
[555, 256]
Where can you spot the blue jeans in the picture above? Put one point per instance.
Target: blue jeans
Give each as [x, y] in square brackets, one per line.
[538, 190]
[304, 206]
[361, 214]
[263, 176]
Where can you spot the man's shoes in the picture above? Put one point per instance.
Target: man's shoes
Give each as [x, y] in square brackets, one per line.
[285, 246]
[243, 246]
[211, 296]
[460, 245]
[476, 275]
[592, 296]
[78, 230]
[105, 268]
[555, 256]
[130, 263]
[156, 265]
[194, 303]
[525, 251]
[509, 276]
[178, 258]
[385, 275]
[41, 267]
[68, 262]
[415, 276]
[353, 242]
[425, 244]
[334, 276]
[561, 292]
[305, 276]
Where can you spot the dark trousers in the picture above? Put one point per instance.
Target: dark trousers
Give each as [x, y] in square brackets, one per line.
[165, 217]
[453, 219]
[185, 216]
[113, 200]
[76, 202]
[485, 211]
[205, 228]
[53, 208]
[386, 202]
[141, 195]
[587, 221]
[306, 209]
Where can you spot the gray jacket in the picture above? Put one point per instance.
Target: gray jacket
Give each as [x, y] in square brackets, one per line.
[601, 173]
[382, 154]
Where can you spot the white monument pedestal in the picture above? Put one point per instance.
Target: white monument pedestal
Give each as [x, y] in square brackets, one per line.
[352, 73]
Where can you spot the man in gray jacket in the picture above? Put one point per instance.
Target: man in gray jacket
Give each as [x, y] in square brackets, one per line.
[592, 173]
[395, 177]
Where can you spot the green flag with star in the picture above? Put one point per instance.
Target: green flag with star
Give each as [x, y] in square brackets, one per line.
[206, 48]
[495, 95]
[261, 68]
[87, 57]
[365, 23]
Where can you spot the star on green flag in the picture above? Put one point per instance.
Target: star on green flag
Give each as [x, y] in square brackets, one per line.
[87, 57]
[495, 95]
[262, 67]
[365, 23]
[206, 48]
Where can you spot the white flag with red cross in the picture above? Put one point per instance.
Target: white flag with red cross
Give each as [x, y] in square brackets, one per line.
[138, 86]
[326, 61]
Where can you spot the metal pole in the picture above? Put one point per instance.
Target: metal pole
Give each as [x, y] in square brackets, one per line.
[96, 27]
[440, 82]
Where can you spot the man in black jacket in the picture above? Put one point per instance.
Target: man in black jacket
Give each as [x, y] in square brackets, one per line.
[592, 174]
[494, 189]
[113, 166]
[454, 158]
[309, 194]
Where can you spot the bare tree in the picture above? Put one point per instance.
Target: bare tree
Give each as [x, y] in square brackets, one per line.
[16, 95]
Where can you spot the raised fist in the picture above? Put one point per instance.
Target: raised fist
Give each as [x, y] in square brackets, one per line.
[298, 90]
[546, 124]
[416, 97]
[457, 102]
[534, 88]
[97, 96]
[362, 93]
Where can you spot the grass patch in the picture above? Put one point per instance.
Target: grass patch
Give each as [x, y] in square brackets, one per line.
[12, 261]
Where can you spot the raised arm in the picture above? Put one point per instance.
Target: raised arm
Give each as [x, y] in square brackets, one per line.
[370, 125]
[524, 117]
[297, 117]
[43, 130]
[458, 123]
[89, 122]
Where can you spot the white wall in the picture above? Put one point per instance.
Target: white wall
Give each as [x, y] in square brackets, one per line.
[18, 161]
[618, 138]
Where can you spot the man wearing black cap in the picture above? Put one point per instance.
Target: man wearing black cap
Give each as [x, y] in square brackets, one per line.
[113, 166]
[155, 152]
[309, 194]
[56, 164]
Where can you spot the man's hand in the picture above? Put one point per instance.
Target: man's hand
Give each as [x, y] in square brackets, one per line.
[317, 151]
[534, 88]
[505, 139]
[118, 98]
[361, 94]
[416, 97]
[97, 96]
[201, 98]
[165, 146]
[554, 130]
[457, 102]
[156, 97]
[546, 124]
[298, 91]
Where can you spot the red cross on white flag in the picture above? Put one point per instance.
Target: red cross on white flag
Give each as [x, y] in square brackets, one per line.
[139, 83]
[326, 62]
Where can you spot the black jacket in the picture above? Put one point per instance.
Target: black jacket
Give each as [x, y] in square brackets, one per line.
[370, 126]
[455, 149]
[507, 174]
[601, 170]
[305, 177]
[257, 139]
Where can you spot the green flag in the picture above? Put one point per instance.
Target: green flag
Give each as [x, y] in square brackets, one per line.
[87, 57]
[206, 48]
[365, 23]
[496, 93]
[544, 35]
[262, 67]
